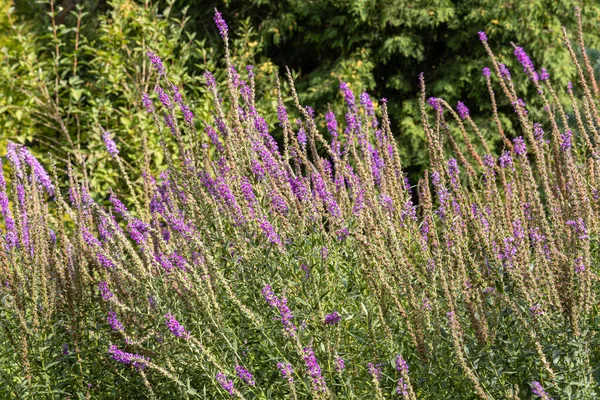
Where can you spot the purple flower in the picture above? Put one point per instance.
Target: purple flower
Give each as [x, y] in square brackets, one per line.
[270, 233]
[314, 370]
[520, 148]
[538, 390]
[221, 24]
[386, 202]
[570, 87]
[104, 291]
[38, 171]
[367, 103]
[104, 261]
[156, 63]
[538, 132]
[113, 321]
[282, 115]
[110, 144]
[401, 364]
[244, 375]
[519, 105]
[210, 80]
[506, 160]
[524, 59]
[340, 364]
[278, 204]
[9, 222]
[453, 171]
[331, 124]
[14, 158]
[348, 95]
[579, 228]
[302, 136]
[482, 36]
[147, 102]
[65, 349]
[227, 385]
[374, 370]
[249, 68]
[463, 111]
[138, 361]
[579, 265]
[333, 318]
[435, 103]
[402, 388]
[566, 137]
[175, 327]
[486, 72]
[504, 72]
[544, 75]
[163, 97]
[535, 310]
[286, 371]
[285, 315]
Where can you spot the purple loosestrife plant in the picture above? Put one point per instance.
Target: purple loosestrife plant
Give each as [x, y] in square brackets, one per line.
[136, 360]
[175, 327]
[221, 24]
[314, 370]
[333, 318]
[538, 390]
[114, 322]
[226, 384]
[287, 372]
[245, 375]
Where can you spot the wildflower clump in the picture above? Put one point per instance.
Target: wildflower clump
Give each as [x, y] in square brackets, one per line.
[230, 273]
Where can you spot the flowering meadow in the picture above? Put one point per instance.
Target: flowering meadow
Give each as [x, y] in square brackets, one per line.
[310, 266]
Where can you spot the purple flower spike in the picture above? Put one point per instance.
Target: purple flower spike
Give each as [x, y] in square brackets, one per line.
[147, 103]
[486, 72]
[332, 126]
[340, 364]
[504, 72]
[435, 103]
[348, 95]
[138, 361]
[175, 327]
[482, 36]
[524, 59]
[566, 140]
[38, 170]
[375, 370]
[210, 80]
[401, 364]
[227, 385]
[221, 24]
[333, 318]
[463, 111]
[544, 75]
[314, 370]
[114, 322]
[286, 371]
[110, 144]
[156, 63]
[105, 291]
[520, 148]
[245, 375]
[538, 390]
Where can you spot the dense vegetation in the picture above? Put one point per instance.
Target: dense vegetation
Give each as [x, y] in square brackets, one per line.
[98, 73]
[309, 267]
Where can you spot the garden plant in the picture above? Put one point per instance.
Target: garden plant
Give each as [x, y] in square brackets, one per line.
[311, 267]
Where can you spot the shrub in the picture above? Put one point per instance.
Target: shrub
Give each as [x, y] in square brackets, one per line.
[250, 269]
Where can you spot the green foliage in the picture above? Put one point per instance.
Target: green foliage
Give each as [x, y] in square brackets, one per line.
[382, 46]
[61, 83]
